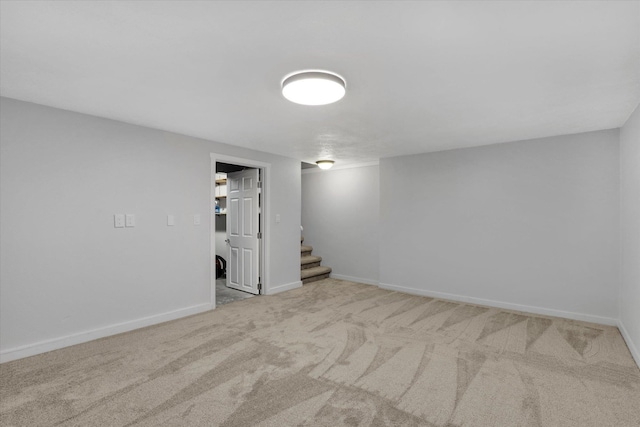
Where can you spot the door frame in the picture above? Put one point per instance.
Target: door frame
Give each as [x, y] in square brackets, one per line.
[265, 202]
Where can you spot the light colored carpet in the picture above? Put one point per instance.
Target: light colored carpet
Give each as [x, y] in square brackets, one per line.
[335, 353]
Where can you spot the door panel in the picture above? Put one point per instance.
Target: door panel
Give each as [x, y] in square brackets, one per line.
[232, 268]
[247, 217]
[242, 230]
[233, 218]
[247, 263]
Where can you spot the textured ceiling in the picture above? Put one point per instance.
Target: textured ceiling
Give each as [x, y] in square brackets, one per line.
[421, 76]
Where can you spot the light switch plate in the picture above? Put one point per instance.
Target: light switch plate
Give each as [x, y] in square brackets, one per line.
[171, 220]
[130, 220]
[196, 219]
[118, 220]
[277, 218]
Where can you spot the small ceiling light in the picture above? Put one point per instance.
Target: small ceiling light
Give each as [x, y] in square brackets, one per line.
[313, 87]
[325, 164]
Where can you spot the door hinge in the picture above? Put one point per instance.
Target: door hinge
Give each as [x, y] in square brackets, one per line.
[259, 235]
[259, 287]
[259, 184]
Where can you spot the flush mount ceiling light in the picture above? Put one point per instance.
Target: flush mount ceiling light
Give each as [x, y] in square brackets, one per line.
[313, 87]
[325, 164]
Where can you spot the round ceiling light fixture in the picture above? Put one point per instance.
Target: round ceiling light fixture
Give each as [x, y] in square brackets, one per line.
[313, 87]
[325, 164]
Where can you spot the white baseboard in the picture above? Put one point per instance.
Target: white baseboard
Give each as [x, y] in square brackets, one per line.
[354, 279]
[281, 288]
[632, 347]
[94, 334]
[506, 305]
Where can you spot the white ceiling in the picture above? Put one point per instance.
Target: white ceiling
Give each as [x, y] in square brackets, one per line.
[421, 76]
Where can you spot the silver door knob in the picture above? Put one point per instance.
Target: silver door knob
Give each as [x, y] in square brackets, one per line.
[227, 241]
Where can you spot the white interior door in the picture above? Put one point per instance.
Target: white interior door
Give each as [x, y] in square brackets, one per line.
[242, 230]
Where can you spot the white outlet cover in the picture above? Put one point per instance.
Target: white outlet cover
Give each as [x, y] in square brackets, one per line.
[118, 220]
[196, 219]
[130, 220]
[171, 220]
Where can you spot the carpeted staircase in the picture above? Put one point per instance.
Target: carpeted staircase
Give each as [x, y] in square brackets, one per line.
[310, 268]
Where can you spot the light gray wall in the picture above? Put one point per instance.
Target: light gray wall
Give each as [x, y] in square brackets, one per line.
[66, 272]
[340, 220]
[532, 225]
[630, 231]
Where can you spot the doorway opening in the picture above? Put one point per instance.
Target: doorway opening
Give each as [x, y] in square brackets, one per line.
[238, 229]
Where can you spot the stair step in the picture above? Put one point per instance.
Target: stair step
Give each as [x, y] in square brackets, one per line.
[314, 272]
[316, 278]
[310, 268]
[309, 261]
